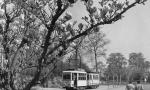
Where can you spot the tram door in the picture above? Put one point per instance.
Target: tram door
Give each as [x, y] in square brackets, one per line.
[74, 78]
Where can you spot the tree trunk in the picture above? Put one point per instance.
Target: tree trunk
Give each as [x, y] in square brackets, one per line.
[32, 83]
[76, 57]
[120, 79]
[107, 80]
[69, 63]
[95, 55]
[80, 58]
[117, 80]
[113, 80]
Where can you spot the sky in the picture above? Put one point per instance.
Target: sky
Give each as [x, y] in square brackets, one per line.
[131, 34]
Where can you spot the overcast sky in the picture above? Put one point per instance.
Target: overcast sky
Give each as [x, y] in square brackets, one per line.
[131, 34]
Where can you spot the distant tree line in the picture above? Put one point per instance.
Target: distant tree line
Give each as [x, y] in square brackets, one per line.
[36, 34]
[119, 69]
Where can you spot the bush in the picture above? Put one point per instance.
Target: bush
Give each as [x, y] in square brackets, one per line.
[57, 82]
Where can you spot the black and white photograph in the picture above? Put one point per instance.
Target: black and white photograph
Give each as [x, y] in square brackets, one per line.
[74, 44]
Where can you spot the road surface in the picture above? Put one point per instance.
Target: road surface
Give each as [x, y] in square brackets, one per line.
[146, 87]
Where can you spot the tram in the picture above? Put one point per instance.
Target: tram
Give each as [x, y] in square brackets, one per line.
[93, 80]
[80, 80]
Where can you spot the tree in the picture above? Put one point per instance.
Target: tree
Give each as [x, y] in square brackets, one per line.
[95, 44]
[136, 59]
[101, 67]
[147, 66]
[116, 63]
[138, 64]
[78, 52]
[71, 64]
[42, 27]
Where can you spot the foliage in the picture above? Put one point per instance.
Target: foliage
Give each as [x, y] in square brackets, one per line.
[116, 63]
[136, 59]
[94, 46]
[71, 64]
[138, 66]
[36, 33]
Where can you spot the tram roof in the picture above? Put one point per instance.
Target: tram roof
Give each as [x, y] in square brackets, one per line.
[74, 71]
[93, 73]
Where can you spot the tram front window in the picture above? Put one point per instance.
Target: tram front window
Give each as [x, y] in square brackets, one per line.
[66, 76]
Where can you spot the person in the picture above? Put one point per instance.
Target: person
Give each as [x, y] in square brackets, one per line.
[75, 79]
[145, 80]
[130, 86]
[139, 86]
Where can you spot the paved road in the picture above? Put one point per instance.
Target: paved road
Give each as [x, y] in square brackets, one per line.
[109, 88]
[146, 87]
